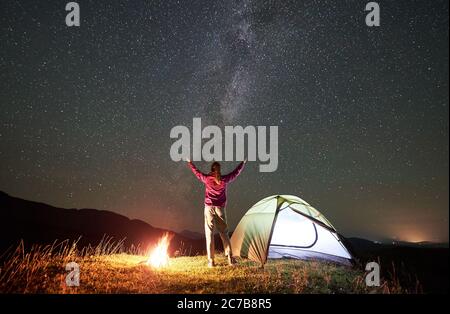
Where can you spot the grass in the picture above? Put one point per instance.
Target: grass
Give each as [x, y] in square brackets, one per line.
[108, 268]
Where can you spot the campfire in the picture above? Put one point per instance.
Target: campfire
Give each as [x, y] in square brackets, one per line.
[158, 256]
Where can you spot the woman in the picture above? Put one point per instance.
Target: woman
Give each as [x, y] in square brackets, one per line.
[215, 201]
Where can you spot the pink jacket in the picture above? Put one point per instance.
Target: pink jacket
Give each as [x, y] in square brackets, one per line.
[216, 194]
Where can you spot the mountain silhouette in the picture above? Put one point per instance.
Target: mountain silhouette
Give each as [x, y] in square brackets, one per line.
[38, 223]
[192, 235]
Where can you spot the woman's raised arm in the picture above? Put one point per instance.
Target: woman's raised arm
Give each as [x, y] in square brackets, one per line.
[200, 175]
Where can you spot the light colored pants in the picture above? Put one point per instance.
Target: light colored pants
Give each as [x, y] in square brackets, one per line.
[215, 216]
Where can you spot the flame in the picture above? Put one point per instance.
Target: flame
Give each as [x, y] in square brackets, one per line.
[159, 256]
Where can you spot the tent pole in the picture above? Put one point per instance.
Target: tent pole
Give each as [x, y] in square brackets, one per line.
[272, 228]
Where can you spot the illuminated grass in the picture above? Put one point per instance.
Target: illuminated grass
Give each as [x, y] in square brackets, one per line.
[115, 272]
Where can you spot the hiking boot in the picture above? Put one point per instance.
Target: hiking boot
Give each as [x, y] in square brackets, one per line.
[211, 264]
[231, 260]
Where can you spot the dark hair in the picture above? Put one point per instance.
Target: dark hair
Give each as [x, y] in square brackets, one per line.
[215, 169]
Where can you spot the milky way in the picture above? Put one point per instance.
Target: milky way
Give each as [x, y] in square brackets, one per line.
[362, 112]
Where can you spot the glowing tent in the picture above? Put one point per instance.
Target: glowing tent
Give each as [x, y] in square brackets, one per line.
[286, 226]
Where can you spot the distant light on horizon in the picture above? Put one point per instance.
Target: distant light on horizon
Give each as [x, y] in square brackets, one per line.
[416, 236]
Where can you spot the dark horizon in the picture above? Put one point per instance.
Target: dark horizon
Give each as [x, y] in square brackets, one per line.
[362, 112]
[192, 234]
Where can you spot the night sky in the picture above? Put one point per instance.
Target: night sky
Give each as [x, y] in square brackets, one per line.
[362, 112]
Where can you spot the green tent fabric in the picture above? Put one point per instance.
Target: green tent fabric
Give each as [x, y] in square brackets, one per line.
[252, 237]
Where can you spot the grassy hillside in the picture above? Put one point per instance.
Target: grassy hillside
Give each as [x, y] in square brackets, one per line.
[107, 269]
